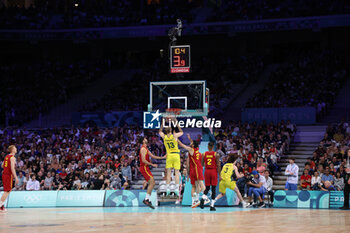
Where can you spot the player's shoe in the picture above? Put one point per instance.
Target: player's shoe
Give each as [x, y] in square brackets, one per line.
[212, 208]
[3, 209]
[249, 205]
[148, 203]
[244, 204]
[177, 193]
[168, 192]
[261, 205]
[195, 204]
[202, 204]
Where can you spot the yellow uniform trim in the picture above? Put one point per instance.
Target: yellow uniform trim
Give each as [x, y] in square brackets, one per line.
[147, 172]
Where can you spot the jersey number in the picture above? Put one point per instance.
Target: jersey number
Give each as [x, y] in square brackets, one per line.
[170, 145]
[226, 170]
[209, 162]
[5, 164]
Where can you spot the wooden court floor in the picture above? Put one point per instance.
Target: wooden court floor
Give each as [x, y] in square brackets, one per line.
[173, 219]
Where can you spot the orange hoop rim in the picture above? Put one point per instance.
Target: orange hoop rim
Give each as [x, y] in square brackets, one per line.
[175, 111]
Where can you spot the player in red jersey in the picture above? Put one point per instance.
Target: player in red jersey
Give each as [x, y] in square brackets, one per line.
[194, 163]
[145, 162]
[8, 173]
[211, 161]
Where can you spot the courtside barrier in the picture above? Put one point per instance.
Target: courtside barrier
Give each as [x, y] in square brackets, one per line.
[128, 198]
[336, 199]
[82, 198]
[31, 199]
[78, 198]
[301, 199]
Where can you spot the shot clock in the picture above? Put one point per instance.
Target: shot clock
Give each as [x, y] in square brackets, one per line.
[180, 59]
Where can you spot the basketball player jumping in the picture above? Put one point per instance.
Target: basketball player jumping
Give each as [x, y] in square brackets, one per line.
[194, 163]
[173, 155]
[227, 182]
[8, 173]
[211, 161]
[145, 162]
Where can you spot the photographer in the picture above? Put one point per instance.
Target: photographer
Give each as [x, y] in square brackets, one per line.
[347, 185]
[269, 184]
[116, 182]
[242, 183]
[258, 187]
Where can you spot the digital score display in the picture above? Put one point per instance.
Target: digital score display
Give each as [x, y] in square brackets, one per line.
[180, 59]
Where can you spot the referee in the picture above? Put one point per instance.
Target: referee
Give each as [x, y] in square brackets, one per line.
[347, 185]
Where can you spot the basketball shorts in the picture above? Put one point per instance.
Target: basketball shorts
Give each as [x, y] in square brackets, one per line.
[196, 174]
[7, 181]
[211, 177]
[173, 161]
[146, 172]
[224, 184]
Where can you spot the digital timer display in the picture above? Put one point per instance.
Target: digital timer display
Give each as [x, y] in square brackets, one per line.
[180, 59]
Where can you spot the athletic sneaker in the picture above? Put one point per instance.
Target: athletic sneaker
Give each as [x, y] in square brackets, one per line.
[206, 202]
[261, 205]
[168, 192]
[148, 203]
[196, 204]
[2, 209]
[212, 208]
[202, 204]
[244, 204]
[177, 193]
[249, 205]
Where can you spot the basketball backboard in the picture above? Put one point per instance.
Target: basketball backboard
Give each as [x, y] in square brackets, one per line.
[189, 96]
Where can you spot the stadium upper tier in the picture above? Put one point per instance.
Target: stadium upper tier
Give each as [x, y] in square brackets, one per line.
[99, 14]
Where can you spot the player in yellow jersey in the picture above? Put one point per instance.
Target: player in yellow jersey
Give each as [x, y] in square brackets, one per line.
[173, 154]
[226, 182]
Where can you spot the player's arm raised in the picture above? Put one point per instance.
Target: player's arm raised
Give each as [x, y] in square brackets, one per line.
[189, 137]
[144, 160]
[161, 129]
[156, 157]
[189, 149]
[13, 169]
[180, 133]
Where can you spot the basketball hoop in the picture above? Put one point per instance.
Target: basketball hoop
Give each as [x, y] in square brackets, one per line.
[173, 112]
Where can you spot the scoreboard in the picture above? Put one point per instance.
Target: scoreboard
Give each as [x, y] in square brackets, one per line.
[180, 59]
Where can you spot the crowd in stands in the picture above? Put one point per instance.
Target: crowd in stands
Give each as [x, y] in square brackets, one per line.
[309, 78]
[46, 84]
[95, 13]
[326, 169]
[96, 158]
[222, 74]
[269, 9]
[107, 13]
[77, 158]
